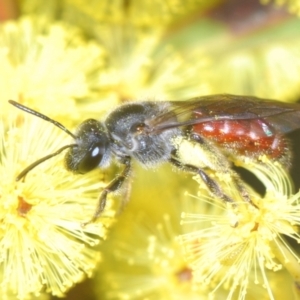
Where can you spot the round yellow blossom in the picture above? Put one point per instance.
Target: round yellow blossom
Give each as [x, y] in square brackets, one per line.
[241, 245]
[43, 245]
[46, 66]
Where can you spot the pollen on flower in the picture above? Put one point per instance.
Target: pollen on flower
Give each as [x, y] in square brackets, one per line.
[142, 74]
[236, 257]
[43, 246]
[38, 60]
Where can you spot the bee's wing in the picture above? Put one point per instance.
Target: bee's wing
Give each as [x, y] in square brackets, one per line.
[284, 117]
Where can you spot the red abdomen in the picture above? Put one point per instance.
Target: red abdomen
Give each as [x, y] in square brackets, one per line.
[250, 137]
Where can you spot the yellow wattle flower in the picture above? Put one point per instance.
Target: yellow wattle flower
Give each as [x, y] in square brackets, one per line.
[237, 247]
[47, 66]
[43, 245]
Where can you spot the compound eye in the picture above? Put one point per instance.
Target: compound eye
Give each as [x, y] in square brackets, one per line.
[84, 161]
[91, 160]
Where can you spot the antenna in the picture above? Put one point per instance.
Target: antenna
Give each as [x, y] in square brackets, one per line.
[39, 161]
[37, 114]
[59, 125]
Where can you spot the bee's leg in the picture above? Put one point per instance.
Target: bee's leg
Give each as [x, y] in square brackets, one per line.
[210, 183]
[112, 187]
[219, 164]
[235, 177]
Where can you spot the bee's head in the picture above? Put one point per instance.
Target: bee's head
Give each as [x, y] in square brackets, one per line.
[91, 148]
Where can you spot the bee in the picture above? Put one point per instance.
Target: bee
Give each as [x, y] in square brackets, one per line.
[224, 127]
